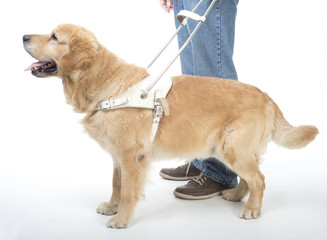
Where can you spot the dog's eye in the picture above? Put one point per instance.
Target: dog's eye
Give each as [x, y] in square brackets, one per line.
[53, 37]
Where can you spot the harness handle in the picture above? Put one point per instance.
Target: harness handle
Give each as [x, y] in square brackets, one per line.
[180, 17]
[184, 13]
[174, 35]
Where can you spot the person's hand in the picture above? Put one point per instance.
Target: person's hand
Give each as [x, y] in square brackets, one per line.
[167, 5]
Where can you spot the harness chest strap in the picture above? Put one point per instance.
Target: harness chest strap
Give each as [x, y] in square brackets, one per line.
[155, 100]
[112, 103]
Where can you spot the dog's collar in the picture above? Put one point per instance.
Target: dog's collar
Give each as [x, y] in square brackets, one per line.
[132, 99]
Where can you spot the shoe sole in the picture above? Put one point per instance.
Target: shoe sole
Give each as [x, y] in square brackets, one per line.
[168, 177]
[191, 197]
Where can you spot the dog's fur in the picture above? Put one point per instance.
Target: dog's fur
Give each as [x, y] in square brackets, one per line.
[226, 119]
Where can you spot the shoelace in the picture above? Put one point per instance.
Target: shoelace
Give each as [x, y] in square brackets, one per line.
[188, 165]
[200, 179]
[188, 168]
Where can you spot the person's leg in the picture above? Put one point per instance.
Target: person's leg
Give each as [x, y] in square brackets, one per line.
[211, 52]
[186, 57]
[213, 47]
[217, 171]
[213, 44]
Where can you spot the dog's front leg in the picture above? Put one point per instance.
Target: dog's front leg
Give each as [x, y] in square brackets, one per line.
[111, 207]
[133, 172]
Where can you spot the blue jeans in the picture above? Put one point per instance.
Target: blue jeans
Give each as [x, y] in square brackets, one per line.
[210, 53]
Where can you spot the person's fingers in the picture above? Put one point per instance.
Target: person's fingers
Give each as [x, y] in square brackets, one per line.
[170, 4]
[167, 5]
[163, 4]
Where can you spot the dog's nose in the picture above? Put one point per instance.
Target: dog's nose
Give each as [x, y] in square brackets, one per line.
[26, 38]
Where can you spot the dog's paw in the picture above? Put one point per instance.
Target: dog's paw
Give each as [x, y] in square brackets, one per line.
[106, 208]
[250, 213]
[231, 195]
[117, 222]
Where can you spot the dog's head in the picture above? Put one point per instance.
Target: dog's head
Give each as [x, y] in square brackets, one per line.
[67, 49]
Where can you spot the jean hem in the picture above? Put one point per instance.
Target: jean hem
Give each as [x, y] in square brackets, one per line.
[213, 176]
[220, 181]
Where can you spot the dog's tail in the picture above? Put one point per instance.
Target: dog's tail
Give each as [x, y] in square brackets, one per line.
[288, 136]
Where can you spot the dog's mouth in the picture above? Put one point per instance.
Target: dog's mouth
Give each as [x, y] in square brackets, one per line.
[43, 69]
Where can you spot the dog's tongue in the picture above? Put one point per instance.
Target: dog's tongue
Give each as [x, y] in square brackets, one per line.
[37, 64]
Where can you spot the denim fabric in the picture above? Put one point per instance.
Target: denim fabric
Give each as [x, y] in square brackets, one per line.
[217, 171]
[210, 53]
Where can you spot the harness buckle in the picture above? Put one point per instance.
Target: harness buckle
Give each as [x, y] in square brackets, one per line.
[104, 105]
[157, 112]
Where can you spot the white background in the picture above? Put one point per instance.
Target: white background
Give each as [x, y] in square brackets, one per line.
[53, 176]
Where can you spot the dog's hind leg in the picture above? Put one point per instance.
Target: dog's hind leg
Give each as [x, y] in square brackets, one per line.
[237, 193]
[111, 207]
[241, 152]
[133, 172]
[248, 170]
[255, 181]
[251, 179]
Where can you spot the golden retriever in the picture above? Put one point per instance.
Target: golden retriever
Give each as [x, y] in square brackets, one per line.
[227, 119]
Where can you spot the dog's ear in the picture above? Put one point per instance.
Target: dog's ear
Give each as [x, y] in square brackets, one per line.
[81, 53]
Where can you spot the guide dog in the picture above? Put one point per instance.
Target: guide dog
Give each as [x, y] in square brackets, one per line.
[209, 117]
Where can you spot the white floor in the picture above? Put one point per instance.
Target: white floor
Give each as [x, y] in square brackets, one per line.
[53, 176]
[58, 201]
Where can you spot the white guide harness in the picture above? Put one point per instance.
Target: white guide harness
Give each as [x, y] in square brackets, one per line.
[147, 93]
[132, 98]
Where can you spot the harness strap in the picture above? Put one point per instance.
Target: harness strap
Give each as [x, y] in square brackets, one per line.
[112, 103]
[132, 99]
[165, 105]
[157, 114]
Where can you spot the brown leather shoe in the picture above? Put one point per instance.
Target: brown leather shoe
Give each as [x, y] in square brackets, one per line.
[184, 172]
[201, 187]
